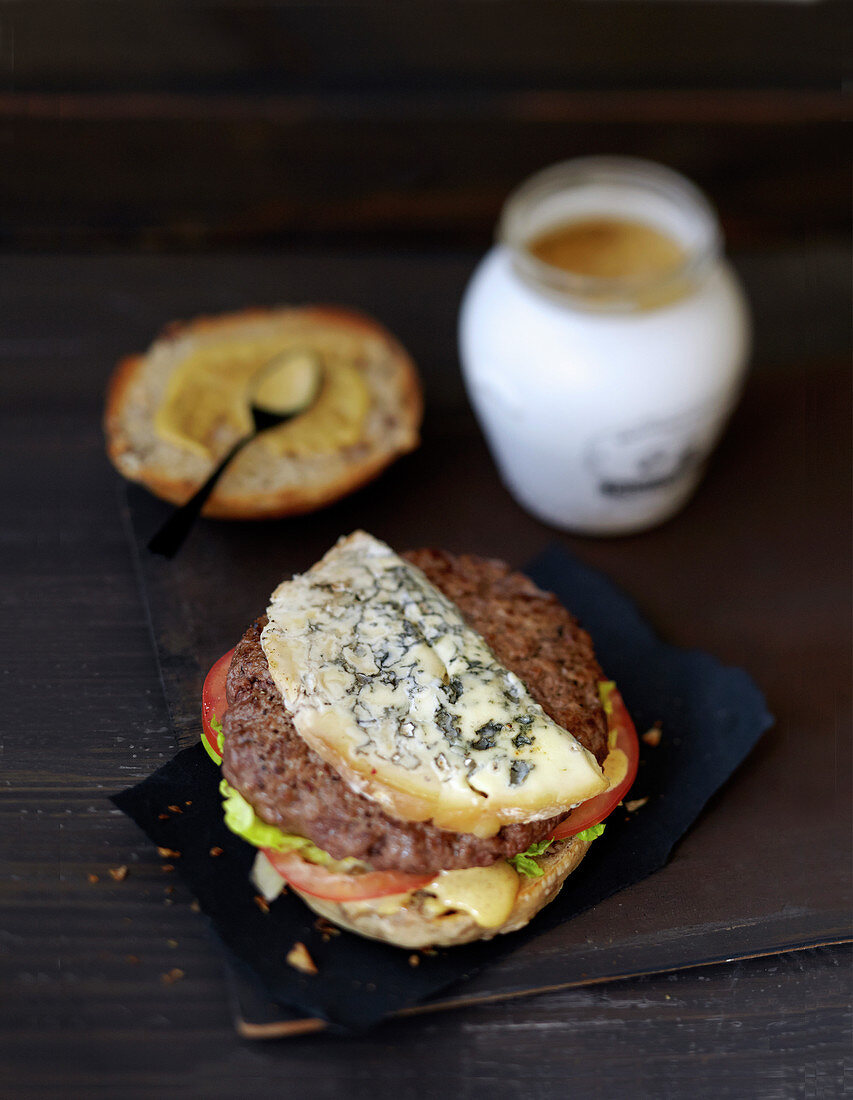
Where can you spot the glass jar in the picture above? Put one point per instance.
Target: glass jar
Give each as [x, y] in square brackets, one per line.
[602, 397]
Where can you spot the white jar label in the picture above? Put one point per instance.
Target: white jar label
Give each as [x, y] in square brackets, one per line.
[656, 453]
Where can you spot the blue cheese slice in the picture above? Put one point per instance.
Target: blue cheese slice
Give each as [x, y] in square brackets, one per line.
[385, 680]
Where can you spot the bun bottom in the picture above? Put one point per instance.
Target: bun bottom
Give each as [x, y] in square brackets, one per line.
[411, 926]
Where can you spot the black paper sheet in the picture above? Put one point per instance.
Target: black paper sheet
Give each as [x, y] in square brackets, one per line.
[712, 717]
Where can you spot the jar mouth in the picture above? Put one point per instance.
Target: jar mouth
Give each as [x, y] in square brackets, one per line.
[612, 187]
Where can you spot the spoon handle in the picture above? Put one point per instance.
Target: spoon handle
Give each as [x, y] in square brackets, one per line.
[170, 538]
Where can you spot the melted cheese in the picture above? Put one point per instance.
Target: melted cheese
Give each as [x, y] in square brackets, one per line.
[386, 681]
[485, 893]
[615, 767]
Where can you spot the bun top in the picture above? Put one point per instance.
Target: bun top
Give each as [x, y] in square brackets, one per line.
[386, 682]
[174, 412]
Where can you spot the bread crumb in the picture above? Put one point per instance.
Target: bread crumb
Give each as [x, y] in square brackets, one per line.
[174, 809]
[414, 960]
[326, 929]
[168, 853]
[167, 867]
[262, 903]
[162, 817]
[118, 874]
[174, 975]
[216, 851]
[188, 802]
[635, 804]
[172, 943]
[194, 905]
[652, 737]
[92, 878]
[299, 959]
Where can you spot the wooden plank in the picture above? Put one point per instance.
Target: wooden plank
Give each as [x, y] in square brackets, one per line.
[290, 171]
[256, 1019]
[219, 45]
[741, 107]
[287, 122]
[83, 712]
[686, 920]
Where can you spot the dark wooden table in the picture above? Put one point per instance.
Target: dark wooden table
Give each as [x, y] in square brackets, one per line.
[756, 569]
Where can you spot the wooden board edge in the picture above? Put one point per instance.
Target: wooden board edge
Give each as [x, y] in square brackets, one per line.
[176, 663]
[283, 1029]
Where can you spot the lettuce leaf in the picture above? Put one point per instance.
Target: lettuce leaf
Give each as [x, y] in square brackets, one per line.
[241, 819]
[525, 862]
[605, 690]
[216, 726]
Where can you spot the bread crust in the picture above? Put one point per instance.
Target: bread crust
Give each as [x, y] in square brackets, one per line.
[412, 928]
[361, 463]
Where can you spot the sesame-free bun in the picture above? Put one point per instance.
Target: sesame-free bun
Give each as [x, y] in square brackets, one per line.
[411, 926]
[267, 479]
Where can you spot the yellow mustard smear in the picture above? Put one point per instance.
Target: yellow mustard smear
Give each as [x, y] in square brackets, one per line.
[333, 422]
[206, 405]
[485, 893]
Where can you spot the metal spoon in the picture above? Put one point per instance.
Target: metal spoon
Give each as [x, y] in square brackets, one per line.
[286, 387]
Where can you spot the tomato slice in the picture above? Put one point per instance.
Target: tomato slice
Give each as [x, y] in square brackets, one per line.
[621, 731]
[321, 882]
[214, 704]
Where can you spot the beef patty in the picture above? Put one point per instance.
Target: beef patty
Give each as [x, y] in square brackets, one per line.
[291, 786]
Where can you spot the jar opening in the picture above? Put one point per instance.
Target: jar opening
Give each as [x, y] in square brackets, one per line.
[615, 190]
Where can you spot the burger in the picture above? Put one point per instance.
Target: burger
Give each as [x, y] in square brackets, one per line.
[422, 747]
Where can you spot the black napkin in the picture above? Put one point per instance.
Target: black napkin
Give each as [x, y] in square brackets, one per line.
[712, 717]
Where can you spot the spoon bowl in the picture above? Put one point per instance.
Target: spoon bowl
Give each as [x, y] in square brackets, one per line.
[287, 386]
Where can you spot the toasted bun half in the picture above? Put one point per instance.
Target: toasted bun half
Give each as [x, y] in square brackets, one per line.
[412, 926]
[269, 478]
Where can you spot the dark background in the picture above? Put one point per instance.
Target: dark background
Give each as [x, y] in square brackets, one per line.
[360, 153]
[172, 125]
